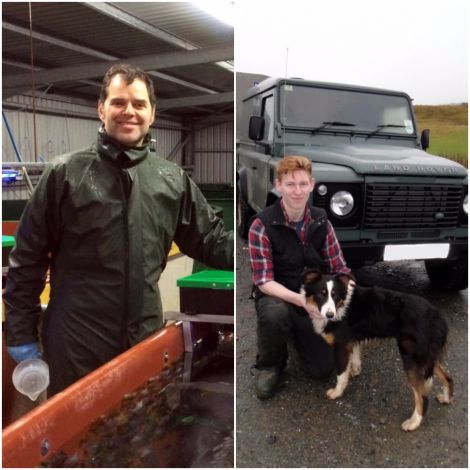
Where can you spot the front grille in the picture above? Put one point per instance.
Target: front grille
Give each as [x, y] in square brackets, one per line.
[392, 235]
[411, 206]
[426, 234]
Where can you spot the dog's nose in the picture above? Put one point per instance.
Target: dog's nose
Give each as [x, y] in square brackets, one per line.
[330, 314]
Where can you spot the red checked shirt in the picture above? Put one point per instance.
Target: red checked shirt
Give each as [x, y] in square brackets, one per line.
[261, 253]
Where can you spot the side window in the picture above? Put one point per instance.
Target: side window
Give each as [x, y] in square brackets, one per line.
[268, 114]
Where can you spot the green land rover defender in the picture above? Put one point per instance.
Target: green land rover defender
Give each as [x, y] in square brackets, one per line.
[385, 196]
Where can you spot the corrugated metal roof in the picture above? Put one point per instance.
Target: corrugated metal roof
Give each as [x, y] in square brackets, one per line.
[73, 33]
[183, 19]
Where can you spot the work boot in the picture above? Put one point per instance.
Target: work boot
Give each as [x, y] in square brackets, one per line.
[266, 383]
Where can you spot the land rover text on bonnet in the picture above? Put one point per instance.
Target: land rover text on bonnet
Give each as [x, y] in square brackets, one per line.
[386, 197]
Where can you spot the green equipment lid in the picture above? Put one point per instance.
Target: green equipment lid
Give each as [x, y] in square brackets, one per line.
[209, 279]
[7, 240]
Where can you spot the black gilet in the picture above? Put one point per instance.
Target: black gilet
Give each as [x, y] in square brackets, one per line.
[290, 256]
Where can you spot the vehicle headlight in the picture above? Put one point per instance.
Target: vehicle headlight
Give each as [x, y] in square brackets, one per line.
[342, 203]
[465, 204]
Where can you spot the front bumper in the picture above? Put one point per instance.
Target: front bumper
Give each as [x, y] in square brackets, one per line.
[358, 254]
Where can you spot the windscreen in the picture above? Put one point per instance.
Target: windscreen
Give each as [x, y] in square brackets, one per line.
[309, 107]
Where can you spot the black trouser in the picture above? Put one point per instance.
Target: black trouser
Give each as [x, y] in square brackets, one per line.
[277, 322]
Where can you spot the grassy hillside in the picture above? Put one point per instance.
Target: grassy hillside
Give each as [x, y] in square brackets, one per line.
[449, 130]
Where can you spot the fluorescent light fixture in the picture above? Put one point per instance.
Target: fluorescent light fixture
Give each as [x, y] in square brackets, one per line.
[425, 251]
[226, 65]
[8, 176]
[220, 9]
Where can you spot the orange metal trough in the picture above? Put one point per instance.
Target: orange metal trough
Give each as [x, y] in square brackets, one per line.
[62, 421]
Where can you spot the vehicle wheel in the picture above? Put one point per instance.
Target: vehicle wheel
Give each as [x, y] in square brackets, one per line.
[451, 275]
[244, 214]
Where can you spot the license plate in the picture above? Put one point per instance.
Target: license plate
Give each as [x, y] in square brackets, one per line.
[425, 251]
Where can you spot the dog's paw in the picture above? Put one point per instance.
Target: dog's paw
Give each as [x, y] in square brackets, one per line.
[333, 394]
[355, 370]
[411, 424]
[443, 398]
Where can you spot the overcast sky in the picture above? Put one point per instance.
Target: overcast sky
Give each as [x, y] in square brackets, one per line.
[416, 46]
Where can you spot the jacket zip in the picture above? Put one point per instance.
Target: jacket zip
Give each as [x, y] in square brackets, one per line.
[125, 216]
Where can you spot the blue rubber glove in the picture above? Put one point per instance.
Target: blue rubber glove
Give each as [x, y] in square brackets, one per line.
[25, 351]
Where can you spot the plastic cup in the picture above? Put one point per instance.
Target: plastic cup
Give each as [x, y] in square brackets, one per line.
[31, 377]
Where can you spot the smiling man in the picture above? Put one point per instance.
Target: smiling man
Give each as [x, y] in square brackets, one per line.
[103, 220]
[127, 107]
[284, 240]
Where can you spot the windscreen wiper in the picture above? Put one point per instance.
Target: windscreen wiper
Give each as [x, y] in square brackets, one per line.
[331, 123]
[380, 128]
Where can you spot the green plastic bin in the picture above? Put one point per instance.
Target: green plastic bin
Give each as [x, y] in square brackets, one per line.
[208, 292]
[8, 242]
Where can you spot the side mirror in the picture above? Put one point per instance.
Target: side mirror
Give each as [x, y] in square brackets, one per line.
[256, 128]
[425, 138]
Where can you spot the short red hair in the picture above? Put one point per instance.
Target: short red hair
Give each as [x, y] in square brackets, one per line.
[293, 163]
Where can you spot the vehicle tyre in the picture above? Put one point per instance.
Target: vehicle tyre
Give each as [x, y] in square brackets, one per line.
[244, 214]
[450, 275]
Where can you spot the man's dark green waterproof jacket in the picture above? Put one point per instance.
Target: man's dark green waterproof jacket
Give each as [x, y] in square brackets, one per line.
[103, 219]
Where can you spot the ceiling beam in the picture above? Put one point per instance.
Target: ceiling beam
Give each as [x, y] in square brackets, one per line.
[28, 107]
[24, 66]
[179, 81]
[16, 84]
[190, 101]
[54, 40]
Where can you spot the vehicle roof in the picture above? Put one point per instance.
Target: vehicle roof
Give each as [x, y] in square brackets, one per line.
[273, 82]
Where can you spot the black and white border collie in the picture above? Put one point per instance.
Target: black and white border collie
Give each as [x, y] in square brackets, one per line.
[351, 314]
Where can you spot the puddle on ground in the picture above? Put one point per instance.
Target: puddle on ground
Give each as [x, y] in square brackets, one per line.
[166, 423]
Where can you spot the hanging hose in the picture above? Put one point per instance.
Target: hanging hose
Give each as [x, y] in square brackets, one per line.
[32, 79]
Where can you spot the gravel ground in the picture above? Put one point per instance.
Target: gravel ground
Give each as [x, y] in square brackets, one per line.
[299, 427]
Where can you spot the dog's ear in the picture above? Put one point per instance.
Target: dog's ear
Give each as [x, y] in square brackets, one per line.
[345, 278]
[309, 276]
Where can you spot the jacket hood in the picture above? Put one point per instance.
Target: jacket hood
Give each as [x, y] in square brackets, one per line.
[367, 159]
